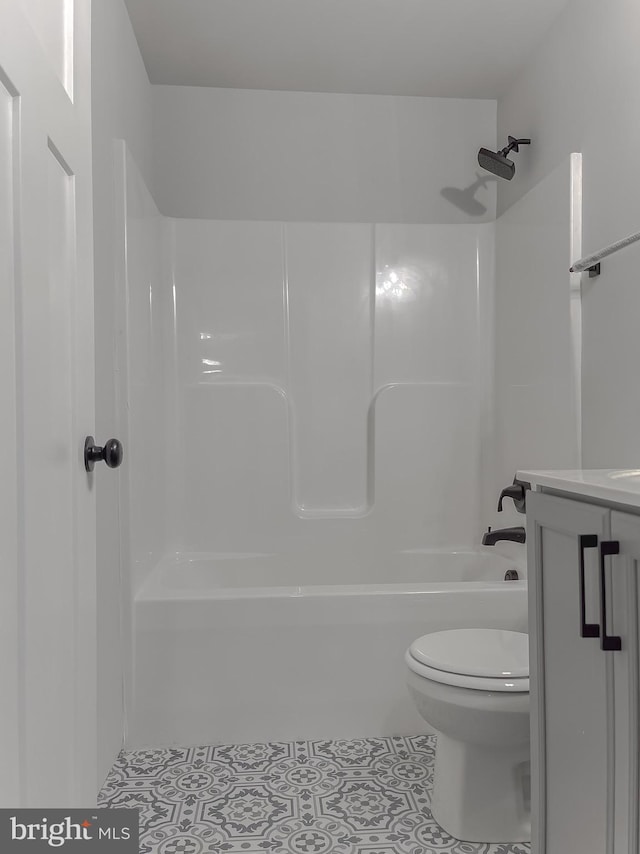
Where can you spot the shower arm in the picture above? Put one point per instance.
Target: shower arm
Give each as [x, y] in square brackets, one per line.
[514, 145]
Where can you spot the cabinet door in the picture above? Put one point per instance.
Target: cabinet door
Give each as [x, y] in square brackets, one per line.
[571, 681]
[622, 587]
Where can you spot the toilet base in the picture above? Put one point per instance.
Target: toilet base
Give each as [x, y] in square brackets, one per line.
[482, 794]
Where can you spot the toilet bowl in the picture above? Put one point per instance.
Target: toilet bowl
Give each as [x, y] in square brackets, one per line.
[472, 687]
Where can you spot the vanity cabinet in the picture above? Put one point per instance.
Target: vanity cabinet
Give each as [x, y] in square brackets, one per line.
[584, 560]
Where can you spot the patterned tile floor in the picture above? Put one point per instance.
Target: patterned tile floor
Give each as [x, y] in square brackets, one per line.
[363, 796]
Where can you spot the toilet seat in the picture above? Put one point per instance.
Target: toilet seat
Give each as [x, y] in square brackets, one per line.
[458, 680]
[478, 659]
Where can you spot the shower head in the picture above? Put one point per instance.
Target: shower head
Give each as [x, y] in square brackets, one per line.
[497, 162]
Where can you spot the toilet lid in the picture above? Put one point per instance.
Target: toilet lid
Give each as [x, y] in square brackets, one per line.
[475, 652]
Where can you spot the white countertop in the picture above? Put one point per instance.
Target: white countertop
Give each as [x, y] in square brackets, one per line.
[619, 485]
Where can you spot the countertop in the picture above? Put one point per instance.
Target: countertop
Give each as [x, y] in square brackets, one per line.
[618, 485]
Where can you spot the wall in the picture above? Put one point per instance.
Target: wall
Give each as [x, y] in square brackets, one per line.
[121, 110]
[297, 156]
[537, 334]
[330, 385]
[579, 93]
[143, 339]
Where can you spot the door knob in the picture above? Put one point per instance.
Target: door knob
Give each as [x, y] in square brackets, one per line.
[111, 453]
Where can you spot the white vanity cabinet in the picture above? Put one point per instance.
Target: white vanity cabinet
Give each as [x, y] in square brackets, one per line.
[584, 563]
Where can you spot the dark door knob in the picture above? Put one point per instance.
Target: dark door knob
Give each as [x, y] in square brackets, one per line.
[111, 453]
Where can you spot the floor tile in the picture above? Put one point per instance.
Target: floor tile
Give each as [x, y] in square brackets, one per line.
[357, 796]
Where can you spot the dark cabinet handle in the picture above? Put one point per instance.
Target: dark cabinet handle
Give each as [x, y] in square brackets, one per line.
[587, 630]
[609, 643]
[111, 453]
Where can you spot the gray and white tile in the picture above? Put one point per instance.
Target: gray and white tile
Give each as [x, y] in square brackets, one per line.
[358, 796]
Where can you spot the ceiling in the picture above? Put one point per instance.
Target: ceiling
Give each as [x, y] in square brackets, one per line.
[446, 48]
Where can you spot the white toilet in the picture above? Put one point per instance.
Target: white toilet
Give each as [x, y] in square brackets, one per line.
[472, 687]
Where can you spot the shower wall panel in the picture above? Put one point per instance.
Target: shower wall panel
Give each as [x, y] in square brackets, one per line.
[426, 466]
[427, 294]
[330, 383]
[230, 300]
[330, 333]
[236, 467]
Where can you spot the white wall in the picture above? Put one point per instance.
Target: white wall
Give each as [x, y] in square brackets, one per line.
[121, 110]
[579, 93]
[143, 339]
[537, 334]
[298, 156]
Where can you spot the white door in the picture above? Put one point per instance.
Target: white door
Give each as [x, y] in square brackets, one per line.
[47, 502]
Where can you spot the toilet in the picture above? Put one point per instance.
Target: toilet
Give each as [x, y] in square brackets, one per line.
[472, 687]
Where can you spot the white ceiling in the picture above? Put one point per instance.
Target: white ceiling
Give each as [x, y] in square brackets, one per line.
[447, 48]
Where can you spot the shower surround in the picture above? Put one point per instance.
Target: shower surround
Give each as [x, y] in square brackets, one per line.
[305, 387]
[309, 417]
[329, 382]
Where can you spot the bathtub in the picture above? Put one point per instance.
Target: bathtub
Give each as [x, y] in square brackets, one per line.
[252, 648]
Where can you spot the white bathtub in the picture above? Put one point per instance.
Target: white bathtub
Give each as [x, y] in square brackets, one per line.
[249, 648]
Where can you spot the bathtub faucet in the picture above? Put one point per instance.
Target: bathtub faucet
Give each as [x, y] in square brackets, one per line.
[514, 535]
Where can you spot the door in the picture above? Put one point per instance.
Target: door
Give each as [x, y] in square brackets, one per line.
[571, 680]
[47, 509]
[622, 586]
